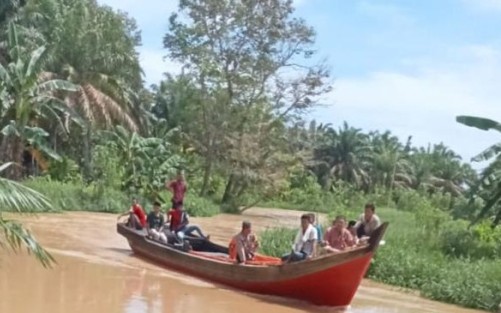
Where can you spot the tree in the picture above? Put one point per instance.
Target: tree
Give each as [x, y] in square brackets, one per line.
[489, 185]
[27, 94]
[93, 47]
[252, 63]
[18, 198]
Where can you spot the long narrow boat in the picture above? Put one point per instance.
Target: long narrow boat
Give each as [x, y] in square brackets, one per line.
[329, 280]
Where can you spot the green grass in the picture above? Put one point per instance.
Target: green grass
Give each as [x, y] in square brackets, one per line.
[413, 258]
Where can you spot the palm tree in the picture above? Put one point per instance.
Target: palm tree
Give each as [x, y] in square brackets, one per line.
[19, 198]
[27, 94]
[344, 156]
[489, 184]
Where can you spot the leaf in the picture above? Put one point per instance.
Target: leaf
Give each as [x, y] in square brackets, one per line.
[479, 122]
[11, 130]
[56, 85]
[35, 60]
[488, 153]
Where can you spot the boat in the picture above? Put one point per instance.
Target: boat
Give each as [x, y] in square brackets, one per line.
[328, 280]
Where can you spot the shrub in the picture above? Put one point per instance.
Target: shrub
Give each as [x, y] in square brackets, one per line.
[277, 241]
[475, 243]
[75, 196]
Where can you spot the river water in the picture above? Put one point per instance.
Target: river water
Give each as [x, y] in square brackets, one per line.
[96, 272]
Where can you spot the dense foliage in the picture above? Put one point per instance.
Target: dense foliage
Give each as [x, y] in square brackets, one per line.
[85, 131]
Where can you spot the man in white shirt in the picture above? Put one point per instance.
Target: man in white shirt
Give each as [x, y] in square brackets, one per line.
[368, 221]
[305, 243]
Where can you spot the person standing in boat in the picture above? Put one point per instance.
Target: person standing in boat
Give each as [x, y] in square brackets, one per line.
[305, 243]
[367, 222]
[242, 246]
[178, 187]
[178, 220]
[337, 237]
[137, 217]
[155, 223]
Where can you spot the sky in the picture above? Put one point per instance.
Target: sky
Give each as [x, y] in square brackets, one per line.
[406, 66]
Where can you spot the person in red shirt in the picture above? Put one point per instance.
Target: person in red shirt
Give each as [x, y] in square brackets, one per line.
[137, 217]
[178, 188]
[179, 224]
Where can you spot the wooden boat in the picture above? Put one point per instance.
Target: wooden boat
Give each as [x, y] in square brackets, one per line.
[329, 280]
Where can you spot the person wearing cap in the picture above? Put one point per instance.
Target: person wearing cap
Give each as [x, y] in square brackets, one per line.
[242, 247]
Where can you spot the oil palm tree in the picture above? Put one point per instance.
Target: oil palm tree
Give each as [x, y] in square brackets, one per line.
[19, 198]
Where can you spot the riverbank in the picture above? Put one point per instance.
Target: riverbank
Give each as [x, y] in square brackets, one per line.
[101, 261]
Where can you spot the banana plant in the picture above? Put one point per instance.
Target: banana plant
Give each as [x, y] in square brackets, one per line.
[489, 185]
[28, 95]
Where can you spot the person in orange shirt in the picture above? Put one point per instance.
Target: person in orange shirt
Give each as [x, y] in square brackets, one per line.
[243, 245]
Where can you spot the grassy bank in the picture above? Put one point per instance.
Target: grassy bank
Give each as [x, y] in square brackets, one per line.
[76, 196]
[419, 255]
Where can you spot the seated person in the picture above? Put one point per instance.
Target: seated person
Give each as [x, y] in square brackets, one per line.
[179, 224]
[368, 221]
[155, 224]
[337, 237]
[304, 246]
[137, 217]
[353, 231]
[317, 226]
[243, 245]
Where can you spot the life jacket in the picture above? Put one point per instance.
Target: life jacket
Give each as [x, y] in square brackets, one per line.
[232, 249]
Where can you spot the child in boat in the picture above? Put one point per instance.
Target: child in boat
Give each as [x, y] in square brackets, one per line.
[155, 223]
[317, 226]
[137, 217]
[337, 237]
[243, 245]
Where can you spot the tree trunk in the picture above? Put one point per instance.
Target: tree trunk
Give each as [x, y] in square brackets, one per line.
[87, 154]
[228, 191]
[207, 174]
[12, 151]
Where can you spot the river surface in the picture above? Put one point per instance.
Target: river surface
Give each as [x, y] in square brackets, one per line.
[97, 272]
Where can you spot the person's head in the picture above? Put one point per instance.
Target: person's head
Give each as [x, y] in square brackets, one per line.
[156, 206]
[312, 218]
[134, 201]
[305, 220]
[339, 222]
[369, 210]
[180, 176]
[178, 207]
[246, 228]
[351, 224]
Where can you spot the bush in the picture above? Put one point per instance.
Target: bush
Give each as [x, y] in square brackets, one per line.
[475, 243]
[277, 241]
[75, 196]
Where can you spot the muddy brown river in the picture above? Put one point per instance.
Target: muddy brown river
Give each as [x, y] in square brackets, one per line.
[97, 272]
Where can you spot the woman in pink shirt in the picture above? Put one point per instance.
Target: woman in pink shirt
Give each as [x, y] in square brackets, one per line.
[337, 238]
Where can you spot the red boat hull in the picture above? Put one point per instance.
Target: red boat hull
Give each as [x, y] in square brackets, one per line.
[335, 286]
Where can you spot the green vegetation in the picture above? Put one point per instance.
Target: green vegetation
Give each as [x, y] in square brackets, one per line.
[84, 130]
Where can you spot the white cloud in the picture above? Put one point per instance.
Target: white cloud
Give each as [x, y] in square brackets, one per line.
[426, 102]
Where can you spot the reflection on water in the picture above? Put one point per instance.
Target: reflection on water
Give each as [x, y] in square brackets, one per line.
[96, 272]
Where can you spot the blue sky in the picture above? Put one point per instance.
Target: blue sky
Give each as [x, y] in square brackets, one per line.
[406, 66]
